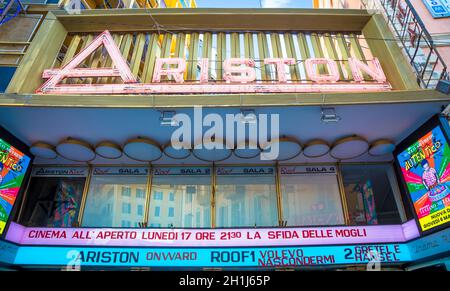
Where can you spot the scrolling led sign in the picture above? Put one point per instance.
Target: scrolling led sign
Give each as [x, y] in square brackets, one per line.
[239, 76]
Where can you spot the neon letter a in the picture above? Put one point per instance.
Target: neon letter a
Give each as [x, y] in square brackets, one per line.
[70, 69]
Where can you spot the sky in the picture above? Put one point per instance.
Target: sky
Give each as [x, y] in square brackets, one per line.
[254, 3]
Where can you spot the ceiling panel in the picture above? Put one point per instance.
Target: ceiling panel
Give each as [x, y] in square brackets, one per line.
[372, 122]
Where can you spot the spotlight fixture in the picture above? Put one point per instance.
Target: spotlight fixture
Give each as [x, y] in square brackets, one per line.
[328, 115]
[167, 118]
[248, 116]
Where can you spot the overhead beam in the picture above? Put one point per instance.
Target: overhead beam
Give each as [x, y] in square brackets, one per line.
[98, 20]
[222, 100]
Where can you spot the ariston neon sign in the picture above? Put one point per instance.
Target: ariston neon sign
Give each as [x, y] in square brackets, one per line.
[239, 76]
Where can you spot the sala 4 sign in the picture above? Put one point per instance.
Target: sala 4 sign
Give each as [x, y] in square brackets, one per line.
[239, 76]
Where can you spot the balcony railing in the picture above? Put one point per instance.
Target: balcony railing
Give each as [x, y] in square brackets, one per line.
[9, 9]
[411, 35]
[416, 41]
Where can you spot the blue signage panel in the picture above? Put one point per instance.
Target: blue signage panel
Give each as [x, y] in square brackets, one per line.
[213, 257]
[433, 244]
[438, 8]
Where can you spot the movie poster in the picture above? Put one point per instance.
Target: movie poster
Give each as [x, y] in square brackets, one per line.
[369, 202]
[425, 167]
[68, 196]
[13, 166]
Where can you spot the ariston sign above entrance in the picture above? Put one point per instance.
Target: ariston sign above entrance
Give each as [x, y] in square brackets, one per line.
[239, 76]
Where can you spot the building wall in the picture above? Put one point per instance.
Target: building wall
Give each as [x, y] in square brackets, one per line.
[439, 29]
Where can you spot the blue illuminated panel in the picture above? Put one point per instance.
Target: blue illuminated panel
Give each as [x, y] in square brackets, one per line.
[213, 257]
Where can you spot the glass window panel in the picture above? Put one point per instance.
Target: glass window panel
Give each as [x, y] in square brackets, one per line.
[53, 201]
[140, 210]
[369, 190]
[157, 195]
[246, 200]
[140, 193]
[126, 191]
[107, 207]
[180, 199]
[311, 199]
[157, 210]
[126, 208]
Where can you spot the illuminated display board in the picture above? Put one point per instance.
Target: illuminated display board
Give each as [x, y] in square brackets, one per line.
[13, 167]
[424, 161]
[213, 257]
[225, 237]
[294, 256]
[106, 254]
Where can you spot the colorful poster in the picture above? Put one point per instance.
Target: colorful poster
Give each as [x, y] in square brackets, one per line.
[365, 211]
[68, 197]
[425, 167]
[13, 166]
[369, 202]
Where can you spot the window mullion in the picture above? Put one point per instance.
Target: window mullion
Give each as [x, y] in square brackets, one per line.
[148, 192]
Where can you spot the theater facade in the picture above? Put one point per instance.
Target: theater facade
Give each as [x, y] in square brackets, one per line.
[221, 139]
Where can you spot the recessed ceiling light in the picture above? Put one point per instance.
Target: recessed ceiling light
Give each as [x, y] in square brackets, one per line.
[75, 150]
[178, 154]
[43, 150]
[349, 148]
[316, 148]
[247, 149]
[288, 148]
[142, 149]
[212, 151]
[381, 147]
[108, 150]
